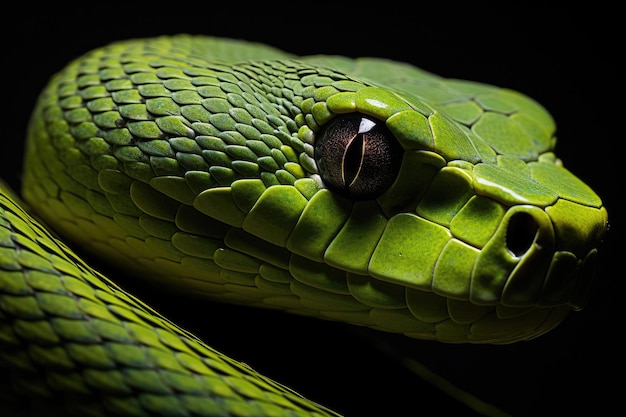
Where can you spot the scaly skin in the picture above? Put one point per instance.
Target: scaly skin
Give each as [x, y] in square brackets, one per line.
[207, 166]
[72, 343]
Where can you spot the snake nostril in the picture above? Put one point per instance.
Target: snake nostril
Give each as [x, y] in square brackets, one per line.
[520, 234]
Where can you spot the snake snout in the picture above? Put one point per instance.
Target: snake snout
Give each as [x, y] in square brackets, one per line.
[579, 232]
[548, 257]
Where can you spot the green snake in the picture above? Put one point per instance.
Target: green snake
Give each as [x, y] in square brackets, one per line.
[360, 190]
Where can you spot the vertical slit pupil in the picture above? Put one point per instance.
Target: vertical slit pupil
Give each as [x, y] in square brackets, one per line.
[353, 160]
[357, 156]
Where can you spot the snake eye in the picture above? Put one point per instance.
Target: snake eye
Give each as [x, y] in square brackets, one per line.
[357, 156]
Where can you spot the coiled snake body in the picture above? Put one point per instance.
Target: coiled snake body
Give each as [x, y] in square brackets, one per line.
[359, 190]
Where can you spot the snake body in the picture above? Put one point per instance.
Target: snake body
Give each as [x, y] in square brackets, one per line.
[361, 190]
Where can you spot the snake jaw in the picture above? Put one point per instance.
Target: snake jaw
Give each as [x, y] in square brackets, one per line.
[204, 175]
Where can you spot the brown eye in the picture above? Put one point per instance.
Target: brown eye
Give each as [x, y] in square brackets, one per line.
[357, 156]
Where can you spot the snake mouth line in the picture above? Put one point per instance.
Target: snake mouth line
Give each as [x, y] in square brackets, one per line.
[472, 218]
[589, 270]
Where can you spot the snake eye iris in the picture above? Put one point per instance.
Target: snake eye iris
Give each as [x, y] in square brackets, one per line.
[357, 156]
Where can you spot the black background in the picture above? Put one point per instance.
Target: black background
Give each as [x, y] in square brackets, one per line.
[564, 59]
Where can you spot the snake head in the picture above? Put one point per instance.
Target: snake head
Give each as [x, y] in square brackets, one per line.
[364, 190]
[481, 218]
